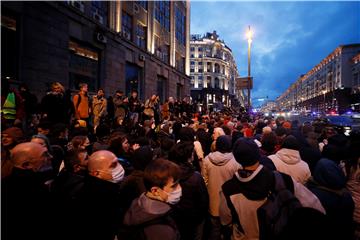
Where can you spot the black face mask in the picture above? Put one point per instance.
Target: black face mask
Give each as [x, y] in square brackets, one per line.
[245, 173]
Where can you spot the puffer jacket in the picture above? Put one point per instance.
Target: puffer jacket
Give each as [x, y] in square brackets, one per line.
[289, 161]
[217, 169]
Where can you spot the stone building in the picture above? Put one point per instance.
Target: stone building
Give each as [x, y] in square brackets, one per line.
[124, 45]
[355, 91]
[329, 86]
[213, 70]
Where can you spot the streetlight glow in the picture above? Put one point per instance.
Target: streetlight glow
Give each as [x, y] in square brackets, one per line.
[249, 34]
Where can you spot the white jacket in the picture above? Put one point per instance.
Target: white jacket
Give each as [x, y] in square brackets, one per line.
[289, 161]
[216, 170]
[247, 209]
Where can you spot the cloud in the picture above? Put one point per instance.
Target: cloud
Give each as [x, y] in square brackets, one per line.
[289, 37]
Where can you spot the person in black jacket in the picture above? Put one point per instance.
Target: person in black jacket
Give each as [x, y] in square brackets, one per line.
[192, 209]
[25, 200]
[101, 210]
[56, 107]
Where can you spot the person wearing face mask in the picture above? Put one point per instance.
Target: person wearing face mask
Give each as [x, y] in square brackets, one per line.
[25, 195]
[101, 207]
[149, 214]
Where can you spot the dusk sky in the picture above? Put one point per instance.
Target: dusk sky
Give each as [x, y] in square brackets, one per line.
[289, 37]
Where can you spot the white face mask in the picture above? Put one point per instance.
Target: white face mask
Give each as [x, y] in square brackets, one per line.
[117, 174]
[174, 197]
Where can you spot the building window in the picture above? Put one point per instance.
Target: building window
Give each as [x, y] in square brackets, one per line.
[192, 70]
[180, 26]
[133, 79]
[217, 68]
[192, 55]
[161, 88]
[9, 46]
[99, 11]
[179, 90]
[83, 66]
[126, 25]
[208, 82]
[200, 63]
[192, 63]
[143, 4]
[180, 64]
[141, 36]
[162, 13]
[200, 77]
[200, 70]
[217, 83]
[200, 55]
[208, 66]
[166, 53]
[200, 49]
[192, 49]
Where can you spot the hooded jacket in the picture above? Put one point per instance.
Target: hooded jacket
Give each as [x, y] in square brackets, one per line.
[217, 169]
[249, 193]
[289, 161]
[144, 209]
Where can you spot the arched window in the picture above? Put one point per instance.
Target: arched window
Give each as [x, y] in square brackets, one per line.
[217, 68]
[217, 83]
[208, 82]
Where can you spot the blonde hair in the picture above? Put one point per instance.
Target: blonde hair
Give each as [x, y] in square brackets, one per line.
[57, 85]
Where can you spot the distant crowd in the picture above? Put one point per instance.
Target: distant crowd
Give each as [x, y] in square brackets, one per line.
[75, 166]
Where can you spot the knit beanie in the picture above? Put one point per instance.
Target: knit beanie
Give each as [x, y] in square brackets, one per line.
[246, 152]
[223, 144]
[290, 142]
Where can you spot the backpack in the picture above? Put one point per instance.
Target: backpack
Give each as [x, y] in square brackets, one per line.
[275, 213]
[137, 232]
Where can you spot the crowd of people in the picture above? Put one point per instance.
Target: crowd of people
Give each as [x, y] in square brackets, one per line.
[81, 167]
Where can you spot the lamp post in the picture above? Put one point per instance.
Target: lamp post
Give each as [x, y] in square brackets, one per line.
[249, 38]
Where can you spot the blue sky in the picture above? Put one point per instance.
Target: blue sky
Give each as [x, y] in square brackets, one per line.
[289, 37]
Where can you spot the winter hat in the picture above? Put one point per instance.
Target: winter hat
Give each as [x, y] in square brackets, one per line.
[15, 133]
[246, 152]
[286, 125]
[290, 142]
[142, 157]
[223, 144]
[186, 134]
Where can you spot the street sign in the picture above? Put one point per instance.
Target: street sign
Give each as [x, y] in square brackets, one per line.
[242, 83]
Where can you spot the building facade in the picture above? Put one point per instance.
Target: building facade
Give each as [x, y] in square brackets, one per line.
[355, 91]
[124, 45]
[329, 86]
[213, 71]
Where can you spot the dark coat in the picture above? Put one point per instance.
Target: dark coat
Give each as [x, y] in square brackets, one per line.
[57, 107]
[101, 210]
[194, 203]
[27, 207]
[328, 184]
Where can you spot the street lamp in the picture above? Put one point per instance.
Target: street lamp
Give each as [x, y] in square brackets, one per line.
[249, 34]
